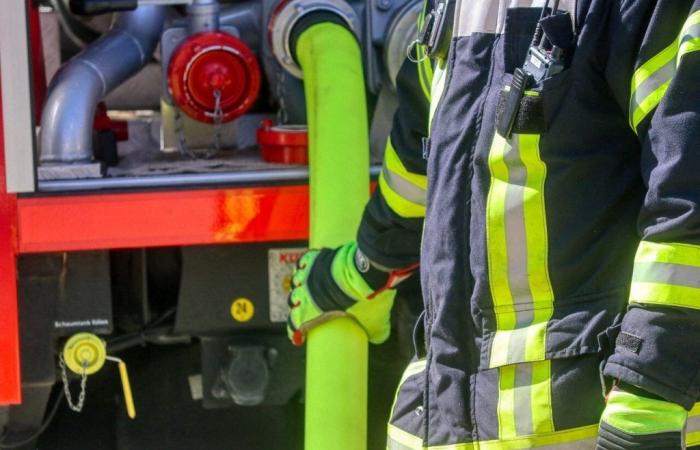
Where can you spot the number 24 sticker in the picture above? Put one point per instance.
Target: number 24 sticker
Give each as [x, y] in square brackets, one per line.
[242, 310]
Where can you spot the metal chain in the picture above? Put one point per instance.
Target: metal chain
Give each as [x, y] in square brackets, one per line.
[77, 407]
[218, 124]
[280, 90]
[180, 132]
[218, 120]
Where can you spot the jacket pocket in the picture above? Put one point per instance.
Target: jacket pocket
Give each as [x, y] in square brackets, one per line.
[406, 423]
[561, 328]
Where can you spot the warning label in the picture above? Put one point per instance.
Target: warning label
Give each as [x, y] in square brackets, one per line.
[280, 266]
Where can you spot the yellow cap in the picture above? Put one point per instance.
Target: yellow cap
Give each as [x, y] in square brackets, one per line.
[84, 353]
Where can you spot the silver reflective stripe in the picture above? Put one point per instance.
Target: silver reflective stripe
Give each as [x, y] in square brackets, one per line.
[516, 241]
[584, 444]
[489, 16]
[395, 445]
[692, 33]
[515, 229]
[403, 187]
[693, 424]
[523, 399]
[648, 94]
[667, 273]
[648, 86]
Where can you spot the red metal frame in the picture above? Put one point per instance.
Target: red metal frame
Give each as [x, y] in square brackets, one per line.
[9, 332]
[213, 216]
[127, 220]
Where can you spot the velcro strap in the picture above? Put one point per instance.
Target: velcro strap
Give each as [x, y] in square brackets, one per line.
[325, 291]
[530, 116]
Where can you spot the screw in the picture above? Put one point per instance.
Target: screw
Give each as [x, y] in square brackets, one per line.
[384, 4]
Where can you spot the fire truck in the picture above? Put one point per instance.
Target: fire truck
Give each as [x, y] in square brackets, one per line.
[154, 198]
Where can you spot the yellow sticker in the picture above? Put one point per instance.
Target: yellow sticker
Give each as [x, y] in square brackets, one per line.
[242, 310]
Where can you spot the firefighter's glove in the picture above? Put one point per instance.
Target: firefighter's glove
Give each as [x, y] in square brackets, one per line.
[338, 282]
[634, 419]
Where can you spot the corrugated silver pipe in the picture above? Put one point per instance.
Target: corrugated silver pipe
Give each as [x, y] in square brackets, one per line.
[77, 88]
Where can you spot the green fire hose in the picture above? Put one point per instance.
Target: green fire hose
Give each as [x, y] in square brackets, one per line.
[336, 367]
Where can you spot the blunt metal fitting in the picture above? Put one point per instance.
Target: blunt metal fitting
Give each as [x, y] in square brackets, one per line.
[287, 15]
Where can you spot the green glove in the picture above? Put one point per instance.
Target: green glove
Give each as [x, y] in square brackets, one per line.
[342, 282]
[634, 419]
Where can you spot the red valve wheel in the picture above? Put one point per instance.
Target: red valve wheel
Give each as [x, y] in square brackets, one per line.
[208, 62]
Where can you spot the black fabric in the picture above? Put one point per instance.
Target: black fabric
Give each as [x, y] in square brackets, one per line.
[386, 238]
[575, 381]
[599, 175]
[529, 117]
[610, 438]
[559, 29]
[326, 293]
[408, 413]
[666, 363]
[375, 278]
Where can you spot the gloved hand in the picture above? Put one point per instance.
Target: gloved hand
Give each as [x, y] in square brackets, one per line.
[337, 282]
[634, 419]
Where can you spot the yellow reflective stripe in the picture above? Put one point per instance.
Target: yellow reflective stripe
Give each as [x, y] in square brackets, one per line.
[649, 102]
[638, 415]
[541, 392]
[536, 224]
[496, 236]
[665, 294]
[673, 253]
[524, 400]
[397, 203]
[517, 250]
[692, 436]
[414, 368]
[394, 164]
[693, 45]
[506, 402]
[436, 88]
[423, 78]
[581, 438]
[406, 204]
[651, 80]
[666, 274]
[405, 439]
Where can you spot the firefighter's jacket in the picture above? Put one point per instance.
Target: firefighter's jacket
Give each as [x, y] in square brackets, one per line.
[567, 249]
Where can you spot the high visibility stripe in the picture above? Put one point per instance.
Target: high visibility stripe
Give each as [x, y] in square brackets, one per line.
[582, 438]
[524, 400]
[397, 203]
[516, 233]
[692, 427]
[436, 88]
[414, 368]
[393, 163]
[666, 274]
[638, 415]
[651, 80]
[404, 191]
[425, 64]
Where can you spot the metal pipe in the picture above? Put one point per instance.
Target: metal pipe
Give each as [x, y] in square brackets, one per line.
[246, 17]
[243, 177]
[203, 15]
[66, 122]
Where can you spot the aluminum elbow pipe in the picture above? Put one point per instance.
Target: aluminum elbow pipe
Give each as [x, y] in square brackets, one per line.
[77, 88]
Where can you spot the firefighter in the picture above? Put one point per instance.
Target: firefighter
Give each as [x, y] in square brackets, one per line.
[560, 249]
